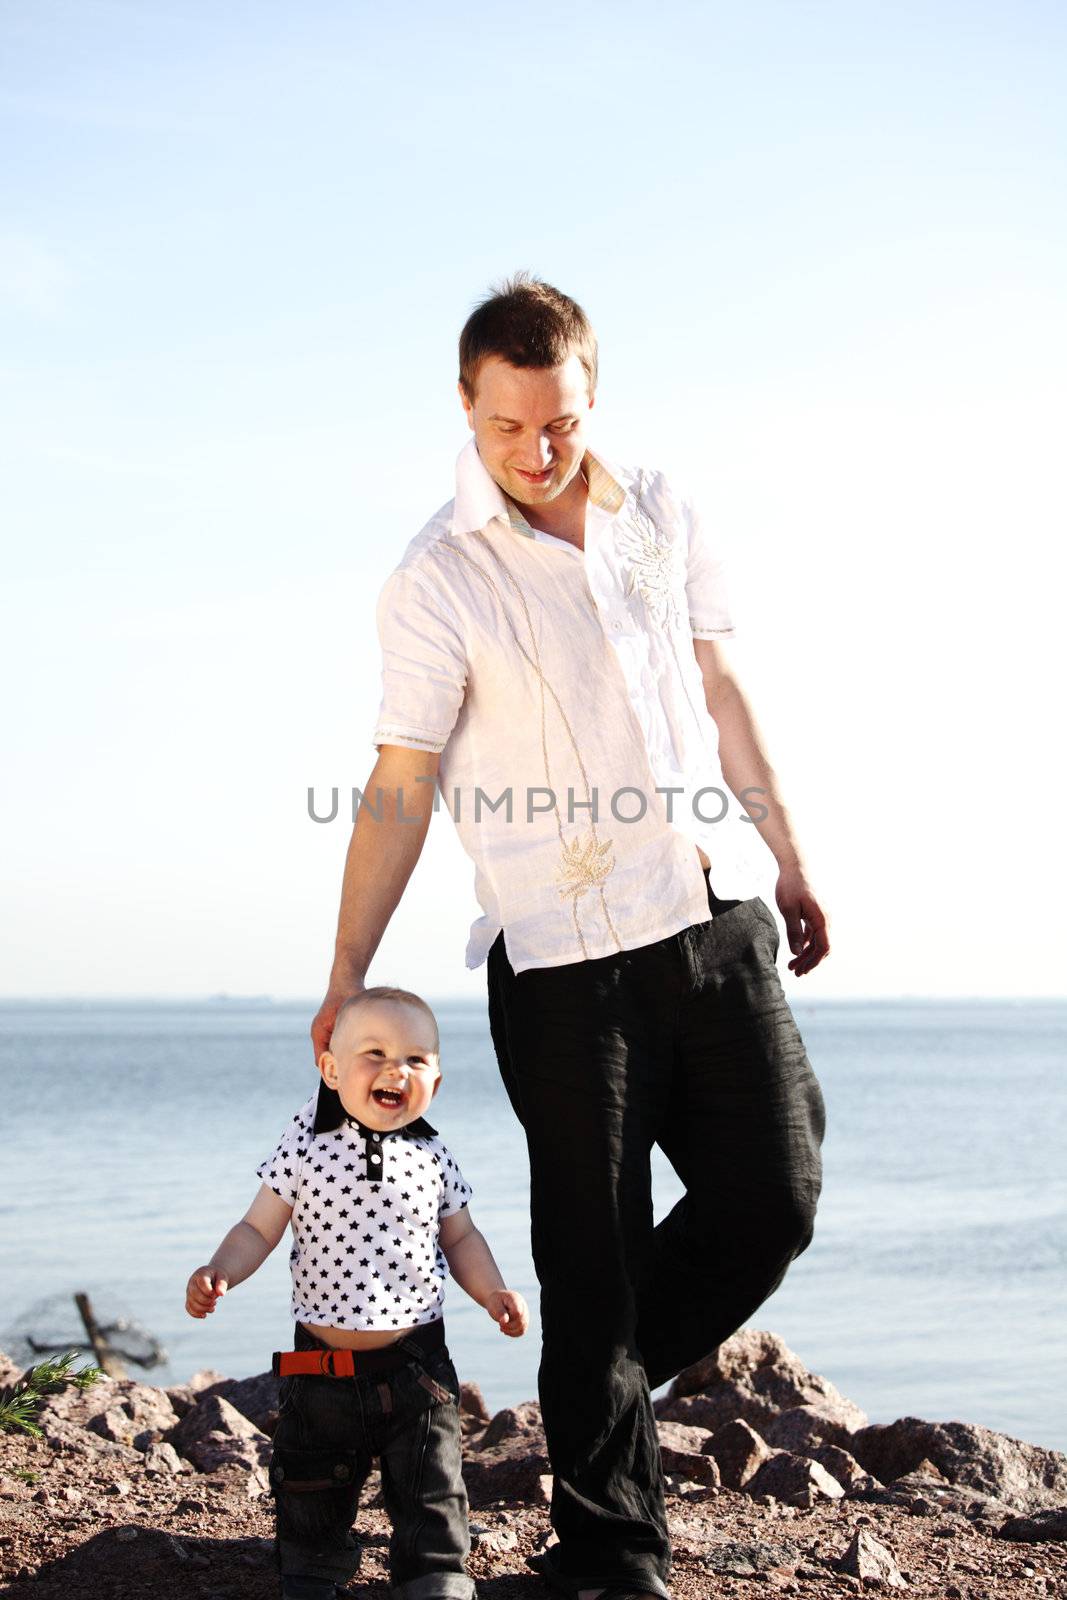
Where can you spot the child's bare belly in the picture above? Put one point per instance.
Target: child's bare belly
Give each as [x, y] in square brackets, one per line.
[356, 1338]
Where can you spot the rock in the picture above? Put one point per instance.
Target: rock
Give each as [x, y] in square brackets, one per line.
[755, 1376]
[1025, 1477]
[162, 1460]
[113, 1424]
[1050, 1524]
[148, 1408]
[842, 1465]
[795, 1480]
[255, 1398]
[472, 1402]
[800, 1427]
[115, 1409]
[497, 1540]
[70, 1438]
[76, 1406]
[693, 1471]
[214, 1434]
[10, 1371]
[744, 1560]
[676, 1436]
[505, 1425]
[511, 1423]
[183, 1396]
[739, 1452]
[865, 1559]
[927, 1496]
[683, 1455]
[514, 1468]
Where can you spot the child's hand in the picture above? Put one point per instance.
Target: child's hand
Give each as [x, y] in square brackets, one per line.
[204, 1290]
[509, 1310]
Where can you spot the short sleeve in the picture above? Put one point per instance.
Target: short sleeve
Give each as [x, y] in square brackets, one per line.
[281, 1170]
[424, 665]
[706, 587]
[455, 1190]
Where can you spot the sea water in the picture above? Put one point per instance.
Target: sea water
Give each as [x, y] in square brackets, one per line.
[934, 1285]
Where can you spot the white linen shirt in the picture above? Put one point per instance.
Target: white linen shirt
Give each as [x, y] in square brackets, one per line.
[561, 685]
[367, 1209]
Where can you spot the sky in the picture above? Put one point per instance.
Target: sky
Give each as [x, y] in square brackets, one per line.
[824, 248]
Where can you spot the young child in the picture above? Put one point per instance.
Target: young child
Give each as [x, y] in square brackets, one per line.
[378, 1207]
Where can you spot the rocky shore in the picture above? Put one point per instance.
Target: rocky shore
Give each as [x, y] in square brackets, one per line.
[775, 1482]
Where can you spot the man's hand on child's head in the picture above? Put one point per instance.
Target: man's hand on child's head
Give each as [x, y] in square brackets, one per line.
[509, 1311]
[204, 1290]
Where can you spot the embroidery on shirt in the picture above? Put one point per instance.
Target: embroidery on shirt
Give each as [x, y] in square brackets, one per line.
[591, 875]
[583, 866]
[652, 554]
[653, 550]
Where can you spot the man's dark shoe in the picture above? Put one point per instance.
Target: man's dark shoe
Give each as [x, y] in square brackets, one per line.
[301, 1588]
[568, 1588]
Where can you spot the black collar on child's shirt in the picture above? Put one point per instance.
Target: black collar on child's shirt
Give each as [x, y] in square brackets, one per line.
[331, 1114]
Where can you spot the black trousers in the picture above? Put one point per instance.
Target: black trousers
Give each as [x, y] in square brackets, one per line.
[329, 1432]
[687, 1043]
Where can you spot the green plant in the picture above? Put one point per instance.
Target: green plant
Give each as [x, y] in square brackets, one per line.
[18, 1405]
[25, 1475]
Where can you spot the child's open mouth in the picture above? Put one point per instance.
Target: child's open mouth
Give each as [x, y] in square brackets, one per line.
[390, 1099]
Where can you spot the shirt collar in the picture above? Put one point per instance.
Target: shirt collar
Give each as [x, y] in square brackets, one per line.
[480, 499]
[331, 1114]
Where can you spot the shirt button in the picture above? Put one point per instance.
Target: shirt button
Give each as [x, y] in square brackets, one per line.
[376, 1137]
[616, 627]
[375, 1156]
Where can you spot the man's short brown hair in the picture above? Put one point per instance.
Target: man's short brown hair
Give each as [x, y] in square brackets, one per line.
[529, 324]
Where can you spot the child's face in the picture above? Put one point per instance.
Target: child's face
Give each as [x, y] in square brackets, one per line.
[383, 1063]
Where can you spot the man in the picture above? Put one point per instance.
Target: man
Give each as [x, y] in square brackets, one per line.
[553, 661]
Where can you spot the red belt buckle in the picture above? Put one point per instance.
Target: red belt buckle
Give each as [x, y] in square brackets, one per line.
[338, 1363]
[321, 1363]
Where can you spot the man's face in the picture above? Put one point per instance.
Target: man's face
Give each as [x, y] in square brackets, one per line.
[529, 425]
[383, 1064]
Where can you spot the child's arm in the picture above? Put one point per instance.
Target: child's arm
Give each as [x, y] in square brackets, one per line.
[471, 1263]
[244, 1248]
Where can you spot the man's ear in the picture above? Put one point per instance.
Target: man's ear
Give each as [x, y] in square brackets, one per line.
[328, 1068]
[467, 405]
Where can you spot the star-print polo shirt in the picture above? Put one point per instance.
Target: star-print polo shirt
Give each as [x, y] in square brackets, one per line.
[367, 1206]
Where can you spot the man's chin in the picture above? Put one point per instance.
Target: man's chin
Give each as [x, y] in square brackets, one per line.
[536, 494]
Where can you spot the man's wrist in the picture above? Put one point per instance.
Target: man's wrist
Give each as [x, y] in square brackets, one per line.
[348, 972]
[790, 860]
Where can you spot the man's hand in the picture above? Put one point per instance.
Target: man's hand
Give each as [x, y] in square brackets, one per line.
[509, 1311]
[807, 929]
[204, 1290]
[326, 1016]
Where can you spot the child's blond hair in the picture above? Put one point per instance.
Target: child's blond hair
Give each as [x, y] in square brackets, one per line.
[385, 991]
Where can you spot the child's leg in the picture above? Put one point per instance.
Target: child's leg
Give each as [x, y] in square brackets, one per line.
[319, 1465]
[424, 1492]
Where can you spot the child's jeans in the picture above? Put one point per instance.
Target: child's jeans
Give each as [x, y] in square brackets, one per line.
[687, 1043]
[330, 1429]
